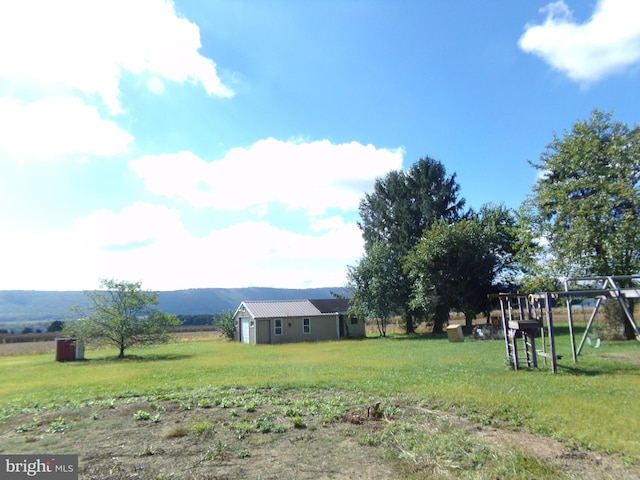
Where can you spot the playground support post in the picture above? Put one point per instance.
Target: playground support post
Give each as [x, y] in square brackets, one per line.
[589, 324]
[573, 340]
[552, 341]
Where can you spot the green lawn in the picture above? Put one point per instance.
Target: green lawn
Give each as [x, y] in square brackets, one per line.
[593, 403]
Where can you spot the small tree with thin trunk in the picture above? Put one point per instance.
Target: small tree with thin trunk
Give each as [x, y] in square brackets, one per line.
[372, 286]
[225, 323]
[121, 314]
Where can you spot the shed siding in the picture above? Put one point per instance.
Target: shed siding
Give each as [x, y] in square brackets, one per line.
[323, 326]
[264, 332]
[355, 330]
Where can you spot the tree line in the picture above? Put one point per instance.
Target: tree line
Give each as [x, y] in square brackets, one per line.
[426, 255]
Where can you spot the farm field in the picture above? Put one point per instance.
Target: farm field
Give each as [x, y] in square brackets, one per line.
[402, 407]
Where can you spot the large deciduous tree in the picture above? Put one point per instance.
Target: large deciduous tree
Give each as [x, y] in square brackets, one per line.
[456, 265]
[585, 206]
[397, 212]
[121, 314]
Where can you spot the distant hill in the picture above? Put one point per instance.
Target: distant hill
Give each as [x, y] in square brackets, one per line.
[28, 305]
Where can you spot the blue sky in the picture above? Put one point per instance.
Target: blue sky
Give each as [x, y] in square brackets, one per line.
[227, 143]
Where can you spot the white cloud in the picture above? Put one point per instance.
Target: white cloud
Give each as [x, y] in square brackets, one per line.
[309, 176]
[607, 43]
[155, 85]
[86, 45]
[137, 224]
[149, 243]
[38, 261]
[58, 126]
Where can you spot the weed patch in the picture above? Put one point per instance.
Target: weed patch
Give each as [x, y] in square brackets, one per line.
[59, 425]
[202, 427]
[142, 415]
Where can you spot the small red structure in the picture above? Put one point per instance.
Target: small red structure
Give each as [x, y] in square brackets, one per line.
[68, 349]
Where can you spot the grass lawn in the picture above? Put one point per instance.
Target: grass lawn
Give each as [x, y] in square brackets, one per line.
[592, 404]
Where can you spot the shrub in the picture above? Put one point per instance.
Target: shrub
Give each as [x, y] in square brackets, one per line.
[226, 325]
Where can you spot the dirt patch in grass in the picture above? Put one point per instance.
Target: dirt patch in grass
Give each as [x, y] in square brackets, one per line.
[290, 434]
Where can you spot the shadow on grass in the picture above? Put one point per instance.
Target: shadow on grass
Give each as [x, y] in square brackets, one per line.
[410, 336]
[132, 359]
[604, 367]
[576, 369]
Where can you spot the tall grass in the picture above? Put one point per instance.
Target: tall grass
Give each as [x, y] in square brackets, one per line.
[592, 403]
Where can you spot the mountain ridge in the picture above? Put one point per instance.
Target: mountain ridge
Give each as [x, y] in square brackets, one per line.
[23, 305]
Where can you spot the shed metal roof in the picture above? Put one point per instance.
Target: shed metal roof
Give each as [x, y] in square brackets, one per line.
[331, 305]
[285, 308]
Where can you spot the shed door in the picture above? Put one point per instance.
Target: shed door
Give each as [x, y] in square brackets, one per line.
[244, 330]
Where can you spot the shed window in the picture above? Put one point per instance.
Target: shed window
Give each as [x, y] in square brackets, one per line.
[354, 321]
[306, 325]
[277, 326]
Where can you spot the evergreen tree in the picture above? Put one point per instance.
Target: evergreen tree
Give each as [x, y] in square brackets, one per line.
[400, 208]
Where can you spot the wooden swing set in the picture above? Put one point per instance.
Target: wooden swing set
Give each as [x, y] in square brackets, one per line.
[526, 316]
